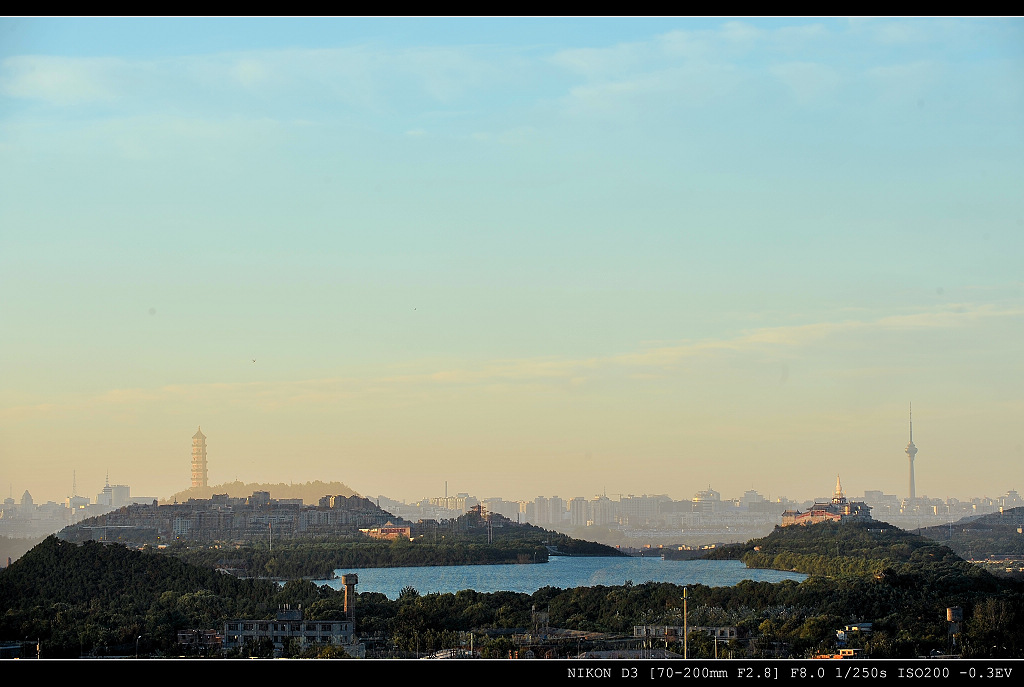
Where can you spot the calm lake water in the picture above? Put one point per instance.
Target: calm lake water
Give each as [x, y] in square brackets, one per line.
[560, 571]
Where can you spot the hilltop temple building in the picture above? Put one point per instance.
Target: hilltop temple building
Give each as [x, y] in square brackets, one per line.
[836, 510]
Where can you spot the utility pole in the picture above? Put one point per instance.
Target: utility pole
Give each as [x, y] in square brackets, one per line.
[685, 632]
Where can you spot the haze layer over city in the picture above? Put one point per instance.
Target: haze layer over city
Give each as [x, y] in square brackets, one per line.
[524, 256]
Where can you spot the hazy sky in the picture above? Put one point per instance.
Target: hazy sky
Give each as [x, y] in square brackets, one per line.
[523, 256]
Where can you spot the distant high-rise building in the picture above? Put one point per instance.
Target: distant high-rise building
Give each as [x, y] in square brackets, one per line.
[199, 476]
[911, 452]
[602, 510]
[120, 495]
[578, 512]
[105, 497]
[707, 501]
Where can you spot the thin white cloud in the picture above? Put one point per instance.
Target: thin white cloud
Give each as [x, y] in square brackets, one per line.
[603, 63]
[808, 81]
[682, 67]
[683, 86]
[61, 80]
[737, 32]
[816, 63]
[897, 31]
[250, 73]
[360, 76]
[787, 337]
[643, 365]
[503, 376]
[801, 335]
[797, 36]
[910, 75]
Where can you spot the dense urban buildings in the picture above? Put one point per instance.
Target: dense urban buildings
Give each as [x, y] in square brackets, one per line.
[25, 518]
[628, 520]
[224, 518]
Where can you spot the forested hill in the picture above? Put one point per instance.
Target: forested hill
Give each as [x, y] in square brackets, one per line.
[836, 548]
[102, 597]
[996, 534]
[469, 539]
[56, 571]
[474, 525]
[309, 492]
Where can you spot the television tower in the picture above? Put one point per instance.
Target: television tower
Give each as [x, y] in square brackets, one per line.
[911, 452]
[199, 459]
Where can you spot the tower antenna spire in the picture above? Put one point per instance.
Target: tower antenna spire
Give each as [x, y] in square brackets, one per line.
[911, 452]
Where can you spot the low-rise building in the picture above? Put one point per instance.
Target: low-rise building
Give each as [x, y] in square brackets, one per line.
[288, 625]
[389, 531]
[199, 640]
[721, 633]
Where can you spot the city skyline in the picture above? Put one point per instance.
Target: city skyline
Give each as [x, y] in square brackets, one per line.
[199, 471]
[523, 255]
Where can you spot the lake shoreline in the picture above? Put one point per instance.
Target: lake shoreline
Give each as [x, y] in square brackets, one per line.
[562, 571]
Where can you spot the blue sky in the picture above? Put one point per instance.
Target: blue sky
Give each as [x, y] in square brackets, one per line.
[524, 256]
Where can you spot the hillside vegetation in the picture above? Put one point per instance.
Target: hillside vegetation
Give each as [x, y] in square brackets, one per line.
[836, 549]
[96, 598]
[996, 534]
[466, 540]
